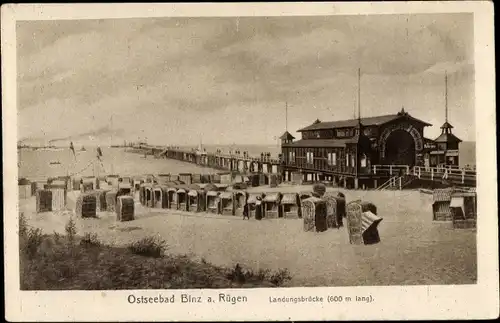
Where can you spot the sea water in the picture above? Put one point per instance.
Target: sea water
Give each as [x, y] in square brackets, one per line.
[37, 164]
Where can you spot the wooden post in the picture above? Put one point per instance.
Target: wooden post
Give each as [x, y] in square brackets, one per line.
[463, 176]
[419, 172]
[400, 183]
[432, 173]
[375, 169]
[390, 170]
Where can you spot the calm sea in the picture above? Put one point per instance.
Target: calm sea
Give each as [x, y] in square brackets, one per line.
[36, 164]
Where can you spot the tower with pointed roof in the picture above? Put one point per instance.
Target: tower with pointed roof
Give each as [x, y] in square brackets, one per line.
[447, 143]
[286, 138]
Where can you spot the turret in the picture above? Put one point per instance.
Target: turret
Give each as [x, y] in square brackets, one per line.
[447, 142]
[286, 138]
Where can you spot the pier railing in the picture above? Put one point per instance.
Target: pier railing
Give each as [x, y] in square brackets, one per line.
[454, 175]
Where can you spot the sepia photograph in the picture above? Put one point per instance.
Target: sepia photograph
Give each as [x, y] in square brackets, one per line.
[247, 152]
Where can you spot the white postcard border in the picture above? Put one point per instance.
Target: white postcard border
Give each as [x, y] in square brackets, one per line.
[392, 302]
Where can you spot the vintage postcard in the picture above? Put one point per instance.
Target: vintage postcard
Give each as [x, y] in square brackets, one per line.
[249, 161]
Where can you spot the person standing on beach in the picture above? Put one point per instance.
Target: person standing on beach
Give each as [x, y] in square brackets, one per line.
[258, 209]
[245, 212]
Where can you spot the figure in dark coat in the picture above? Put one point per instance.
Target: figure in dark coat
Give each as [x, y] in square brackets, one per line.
[245, 212]
[258, 209]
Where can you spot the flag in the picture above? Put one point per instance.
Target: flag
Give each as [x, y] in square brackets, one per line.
[99, 155]
[72, 149]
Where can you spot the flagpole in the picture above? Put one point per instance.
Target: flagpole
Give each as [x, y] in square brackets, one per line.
[67, 166]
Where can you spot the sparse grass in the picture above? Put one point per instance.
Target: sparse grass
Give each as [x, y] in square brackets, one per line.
[23, 225]
[149, 247]
[90, 240]
[280, 277]
[56, 262]
[241, 276]
[70, 229]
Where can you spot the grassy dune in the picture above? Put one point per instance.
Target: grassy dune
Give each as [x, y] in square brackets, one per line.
[70, 262]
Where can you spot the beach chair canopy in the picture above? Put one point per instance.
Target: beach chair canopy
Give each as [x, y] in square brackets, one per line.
[289, 198]
[252, 197]
[240, 192]
[158, 188]
[226, 195]
[58, 182]
[272, 197]
[305, 194]
[210, 187]
[171, 189]
[193, 193]
[212, 193]
[369, 219]
[55, 186]
[314, 200]
[194, 187]
[368, 206]
[442, 195]
[23, 181]
[457, 201]
[181, 190]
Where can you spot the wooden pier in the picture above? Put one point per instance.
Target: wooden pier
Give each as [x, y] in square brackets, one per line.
[232, 163]
[378, 176]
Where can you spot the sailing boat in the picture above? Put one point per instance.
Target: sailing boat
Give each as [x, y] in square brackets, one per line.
[83, 149]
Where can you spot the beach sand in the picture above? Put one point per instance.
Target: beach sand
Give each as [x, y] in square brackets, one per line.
[413, 249]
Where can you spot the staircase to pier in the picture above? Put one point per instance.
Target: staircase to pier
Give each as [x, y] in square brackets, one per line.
[396, 183]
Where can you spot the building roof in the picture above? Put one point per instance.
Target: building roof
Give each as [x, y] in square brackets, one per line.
[446, 125]
[370, 121]
[427, 140]
[447, 137]
[319, 143]
[287, 136]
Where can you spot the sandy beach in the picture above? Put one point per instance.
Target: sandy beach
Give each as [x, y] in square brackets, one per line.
[413, 249]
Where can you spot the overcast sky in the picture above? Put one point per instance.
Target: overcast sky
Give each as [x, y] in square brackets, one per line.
[227, 79]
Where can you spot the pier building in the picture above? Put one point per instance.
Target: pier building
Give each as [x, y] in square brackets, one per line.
[347, 149]
[352, 150]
